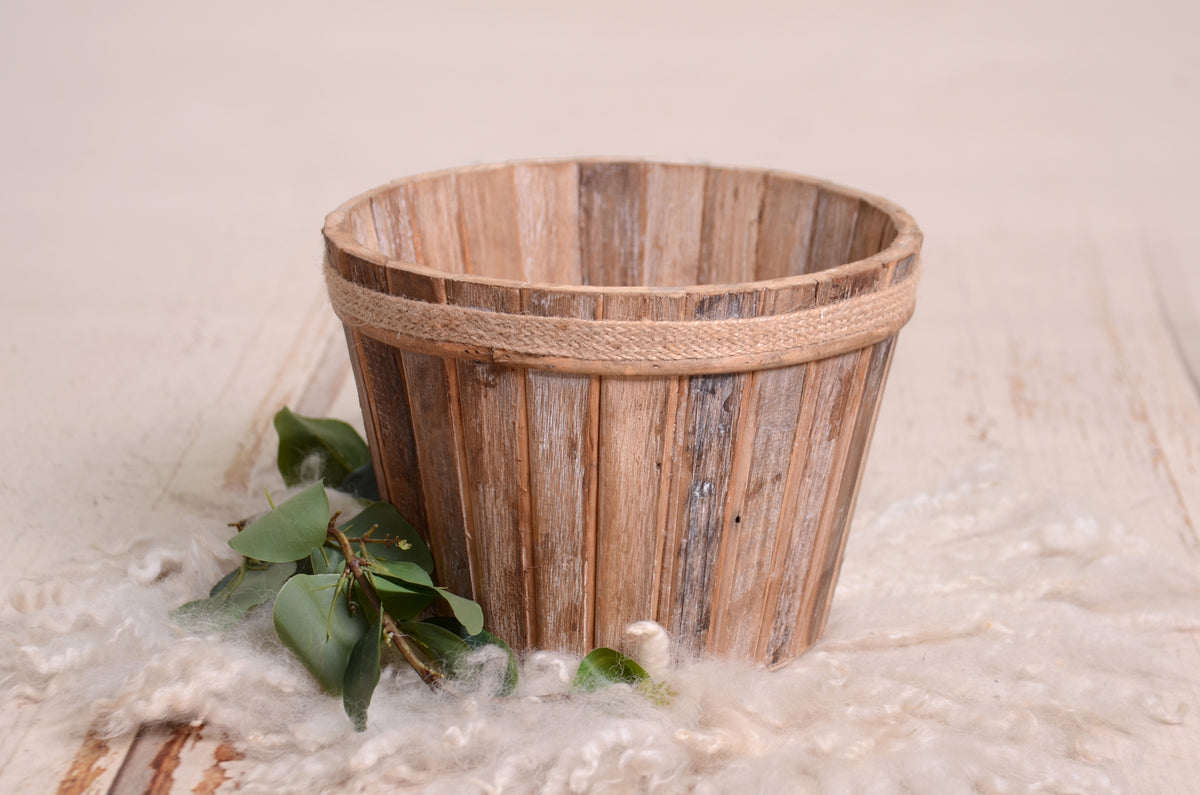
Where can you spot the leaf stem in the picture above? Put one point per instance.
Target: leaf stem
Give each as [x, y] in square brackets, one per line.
[411, 653]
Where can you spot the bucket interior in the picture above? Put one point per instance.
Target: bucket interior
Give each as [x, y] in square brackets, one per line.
[620, 224]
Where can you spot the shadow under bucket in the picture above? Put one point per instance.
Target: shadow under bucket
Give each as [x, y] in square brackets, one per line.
[611, 391]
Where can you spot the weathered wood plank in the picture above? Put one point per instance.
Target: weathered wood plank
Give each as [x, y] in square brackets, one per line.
[429, 385]
[610, 218]
[491, 400]
[487, 208]
[635, 414]
[751, 537]
[701, 483]
[561, 412]
[729, 241]
[711, 431]
[548, 222]
[786, 227]
[673, 212]
[828, 389]
[170, 759]
[832, 230]
[434, 216]
[380, 370]
[561, 416]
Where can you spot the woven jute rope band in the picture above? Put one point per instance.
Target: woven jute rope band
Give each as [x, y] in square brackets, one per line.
[625, 346]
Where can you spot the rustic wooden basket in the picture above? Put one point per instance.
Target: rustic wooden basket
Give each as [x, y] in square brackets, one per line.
[611, 391]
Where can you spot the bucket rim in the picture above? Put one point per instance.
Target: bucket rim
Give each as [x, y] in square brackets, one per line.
[907, 242]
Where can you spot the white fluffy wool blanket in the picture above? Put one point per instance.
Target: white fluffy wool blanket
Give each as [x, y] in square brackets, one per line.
[982, 640]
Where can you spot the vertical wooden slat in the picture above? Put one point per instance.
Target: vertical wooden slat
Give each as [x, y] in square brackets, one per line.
[393, 227]
[437, 437]
[434, 219]
[487, 206]
[547, 197]
[358, 364]
[839, 388]
[701, 483]
[825, 579]
[847, 490]
[610, 223]
[560, 417]
[828, 388]
[429, 380]
[785, 227]
[832, 228]
[732, 203]
[383, 373]
[381, 370]
[361, 223]
[632, 411]
[492, 401]
[834, 389]
[711, 429]
[561, 411]
[673, 209]
[755, 529]
[871, 228]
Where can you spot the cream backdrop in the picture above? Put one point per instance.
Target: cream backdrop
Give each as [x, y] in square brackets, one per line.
[166, 168]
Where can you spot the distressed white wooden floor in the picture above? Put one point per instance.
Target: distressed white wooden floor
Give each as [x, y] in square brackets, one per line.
[166, 170]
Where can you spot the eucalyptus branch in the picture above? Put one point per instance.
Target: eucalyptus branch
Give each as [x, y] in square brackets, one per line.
[411, 653]
[284, 559]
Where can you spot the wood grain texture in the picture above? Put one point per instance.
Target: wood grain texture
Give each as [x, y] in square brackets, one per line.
[573, 504]
[754, 528]
[548, 222]
[701, 484]
[435, 221]
[379, 368]
[828, 394]
[635, 414]
[832, 230]
[672, 227]
[430, 383]
[487, 218]
[786, 227]
[732, 205]
[610, 223]
[846, 496]
[562, 411]
[561, 415]
[710, 431]
[495, 437]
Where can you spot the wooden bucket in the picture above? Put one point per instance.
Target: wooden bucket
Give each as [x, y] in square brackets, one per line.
[612, 391]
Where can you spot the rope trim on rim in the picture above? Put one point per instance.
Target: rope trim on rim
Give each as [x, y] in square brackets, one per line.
[627, 346]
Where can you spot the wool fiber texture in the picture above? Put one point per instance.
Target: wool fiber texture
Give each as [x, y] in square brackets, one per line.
[982, 639]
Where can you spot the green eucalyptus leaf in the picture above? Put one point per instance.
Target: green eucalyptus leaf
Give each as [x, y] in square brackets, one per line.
[512, 672]
[603, 667]
[243, 588]
[403, 571]
[313, 619]
[327, 559]
[337, 446]
[468, 613]
[389, 524]
[444, 648]
[290, 531]
[361, 483]
[401, 602]
[362, 675]
[224, 581]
